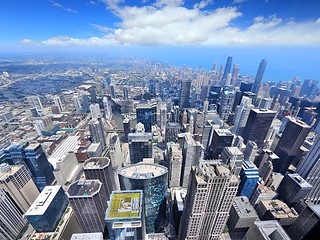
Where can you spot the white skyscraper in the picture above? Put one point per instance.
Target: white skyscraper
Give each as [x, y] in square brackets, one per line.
[211, 192]
[163, 115]
[97, 131]
[58, 103]
[35, 102]
[175, 156]
[95, 110]
[77, 102]
[242, 114]
[107, 109]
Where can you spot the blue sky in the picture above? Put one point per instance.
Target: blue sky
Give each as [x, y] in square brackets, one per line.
[195, 33]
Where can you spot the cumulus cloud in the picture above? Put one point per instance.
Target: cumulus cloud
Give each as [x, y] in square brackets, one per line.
[169, 22]
[58, 5]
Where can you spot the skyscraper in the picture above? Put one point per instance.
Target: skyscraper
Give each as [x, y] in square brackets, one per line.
[257, 126]
[211, 192]
[184, 94]
[35, 159]
[227, 70]
[249, 176]
[95, 110]
[11, 219]
[97, 131]
[17, 183]
[175, 165]
[88, 200]
[58, 103]
[125, 93]
[259, 76]
[152, 179]
[289, 144]
[126, 128]
[34, 101]
[100, 168]
[77, 102]
[140, 146]
[147, 115]
[220, 139]
[107, 109]
[84, 102]
[241, 115]
[225, 104]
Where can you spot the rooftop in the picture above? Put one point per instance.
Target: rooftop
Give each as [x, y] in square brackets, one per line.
[223, 132]
[140, 137]
[125, 205]
[299, 180]
[96, 163]
[87, 236]
[143, 171]
[84, 188]
[41, 204]
[266, 228]
[7, 170]
[244, 208]
[32, 146]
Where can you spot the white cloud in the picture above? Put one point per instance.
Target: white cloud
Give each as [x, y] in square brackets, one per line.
[58, 5]
[169, 22]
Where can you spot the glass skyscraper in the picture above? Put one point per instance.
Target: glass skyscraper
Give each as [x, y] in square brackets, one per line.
[147, 115]
[249, 176]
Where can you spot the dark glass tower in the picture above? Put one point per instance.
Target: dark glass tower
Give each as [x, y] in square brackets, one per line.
[227, 71]
[140, 146]
[259, 76]
[184, 94]
[257, 126]
[147, 115]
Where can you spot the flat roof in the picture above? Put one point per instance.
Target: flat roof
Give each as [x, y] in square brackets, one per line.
[87, 236]
[268, 227]
[84, 188]
[43, 201]
[32, 146]
[244, 208]
[125, 205]
[140, 136]
[143, 171]
[223, 132]
[96, 163]
[8, 170]
[299, 180]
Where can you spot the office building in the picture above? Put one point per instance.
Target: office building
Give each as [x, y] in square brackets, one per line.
[307, 224]
[88, 200]
[266, 230]
[126, 128]
[210, 196]
[249, 176]
[259, 76]
[276, 210]
[220, 139]
[235, 74]
[152, 179]
[163, 116]
[172, 131]
[184, 94]
[77, 102]
[241, 115]
[250, 151]
[242, 216]
[140, 146]
[227, 71]
[45, 213]
[95, 111]
[84, 102]
[257, 126]
[93, 93]
[115, 152]
[35, 159]
[11, 219]
[262, 193]
[225, 104]
[125, 93]
[100, 168]
[124, 216]
[289, 144]
[233, 157]
[58, 103]
[293, 188]
[87, 236]
[35, 102]
[18, 185]
[175, 164]
[112, 89]
[97, 133]
[147, 115]
[191, 153]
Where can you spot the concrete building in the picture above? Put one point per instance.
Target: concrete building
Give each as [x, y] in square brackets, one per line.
[262, 193]
[242, 216]
[221, 138]
[58, 103]
[225, 104]
[241, 115]
[124, 216]
[175, 163]
[95, 111]
[107, 109]
[97, 133]
[88, 200]
[250, 151]
[140, 146]
[87, 236]
[293, 189]
[210, 195]
[18, 185]
[233, 157]
[45, 213]
[35, 102]
[11, 219]
[100, 168]
[152, 179]
[266, 230]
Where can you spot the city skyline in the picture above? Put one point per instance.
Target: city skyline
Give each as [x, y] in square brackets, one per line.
[199, 33]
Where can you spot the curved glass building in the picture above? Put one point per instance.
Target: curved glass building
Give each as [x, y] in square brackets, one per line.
[152, 179]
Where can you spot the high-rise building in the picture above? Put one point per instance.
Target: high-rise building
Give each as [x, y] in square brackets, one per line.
[125, 93]
[220, 139]
[184, 94]
[93, 93]
[147, 115]
[97, 131]
[77, 102]
[191, 153]
[88, 200]
[293, 189]
[241, 115]
[84, 102]
[58, 103]
[124, 216]
[259, 76]
[95, 110]
[226, 104]
[11, 219]
[152, 179]
[112, 88]
[35, 160]
[262, 193]
[233, 157]
[45, 212]
[175, 164]
[140, 146]
[235, 74]
[211, 192]
[34, 101]
[18, 185]
[250, 151]
[163, 116]
[86, 236]
[100, 168]
[257, 126]
[107, 109]
[227, 71]
[126, 128]
[266, 230]
[249, 176]
[289, 144]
